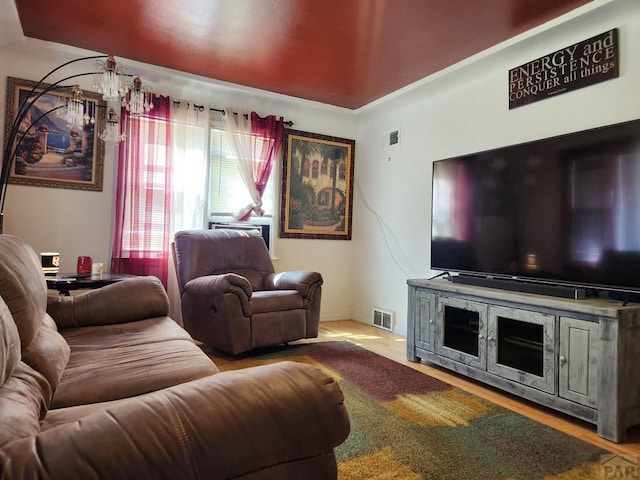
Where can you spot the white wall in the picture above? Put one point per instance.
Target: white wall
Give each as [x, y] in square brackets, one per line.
[77, 222]
[464, 110]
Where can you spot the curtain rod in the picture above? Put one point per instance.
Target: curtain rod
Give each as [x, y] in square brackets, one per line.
[176, 103]
[288, 123]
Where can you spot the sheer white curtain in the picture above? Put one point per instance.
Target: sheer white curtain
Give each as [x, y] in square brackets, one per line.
[189, 143]
[238, 127]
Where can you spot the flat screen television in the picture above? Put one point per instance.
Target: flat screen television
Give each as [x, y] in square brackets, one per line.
[562, 211]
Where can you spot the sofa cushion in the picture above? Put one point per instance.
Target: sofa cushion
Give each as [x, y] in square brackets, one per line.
[60, 416]
[22, 286]
[23, 403]
[141, 332]
[9, 343]
[117, 361]
[275, 301]
[24, 393]
[48, 353]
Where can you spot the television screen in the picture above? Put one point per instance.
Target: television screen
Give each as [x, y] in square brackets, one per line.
[563, 210]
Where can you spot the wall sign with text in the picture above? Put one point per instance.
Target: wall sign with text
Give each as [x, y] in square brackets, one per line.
[579, 65]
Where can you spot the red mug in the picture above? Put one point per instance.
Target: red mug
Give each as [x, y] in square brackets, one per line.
[84, 266]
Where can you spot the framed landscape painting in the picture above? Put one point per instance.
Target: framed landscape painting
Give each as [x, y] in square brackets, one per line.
[317, 186]
[47, 151]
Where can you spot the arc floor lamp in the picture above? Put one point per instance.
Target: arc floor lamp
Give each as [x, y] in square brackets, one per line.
[110, 80]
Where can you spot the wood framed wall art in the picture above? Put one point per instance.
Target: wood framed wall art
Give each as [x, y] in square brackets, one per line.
[49, 152]
[317, 186]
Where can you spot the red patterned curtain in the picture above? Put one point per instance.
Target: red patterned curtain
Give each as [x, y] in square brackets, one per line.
[270, 131]
[143, 194]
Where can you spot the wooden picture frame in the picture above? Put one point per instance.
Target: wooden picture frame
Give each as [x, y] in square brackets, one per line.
[317, 186]
[51, 153]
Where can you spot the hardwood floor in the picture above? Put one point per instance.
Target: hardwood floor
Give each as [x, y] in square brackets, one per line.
[394, 347]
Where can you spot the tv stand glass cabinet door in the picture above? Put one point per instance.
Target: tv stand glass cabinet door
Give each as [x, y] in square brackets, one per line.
[461, 328]
[512, 343]
[521, 347]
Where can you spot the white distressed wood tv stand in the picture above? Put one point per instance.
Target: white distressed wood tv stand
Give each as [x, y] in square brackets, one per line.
[581, 357]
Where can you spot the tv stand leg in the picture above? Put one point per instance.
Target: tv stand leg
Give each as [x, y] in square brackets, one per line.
[615, 433]
[612, 420]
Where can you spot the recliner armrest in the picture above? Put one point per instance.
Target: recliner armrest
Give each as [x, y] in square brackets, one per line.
[304, 282]
[219, 284]
[122, 302]
[225, 426]
[212, 285]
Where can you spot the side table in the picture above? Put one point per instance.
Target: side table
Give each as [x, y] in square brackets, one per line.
[66, 282]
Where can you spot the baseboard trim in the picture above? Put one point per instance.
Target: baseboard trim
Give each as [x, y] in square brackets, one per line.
[332, 317]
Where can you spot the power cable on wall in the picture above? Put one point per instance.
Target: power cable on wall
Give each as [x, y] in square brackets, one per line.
[383, 225]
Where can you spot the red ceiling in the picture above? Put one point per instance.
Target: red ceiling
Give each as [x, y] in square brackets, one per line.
[340, 52]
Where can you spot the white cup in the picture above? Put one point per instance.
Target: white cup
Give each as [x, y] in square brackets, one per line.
[97, 269]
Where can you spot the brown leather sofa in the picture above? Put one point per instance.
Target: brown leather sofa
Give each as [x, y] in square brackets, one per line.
[104, 385]
[232, 298]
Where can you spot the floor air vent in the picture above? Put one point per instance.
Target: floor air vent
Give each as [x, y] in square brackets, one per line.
[383, 319]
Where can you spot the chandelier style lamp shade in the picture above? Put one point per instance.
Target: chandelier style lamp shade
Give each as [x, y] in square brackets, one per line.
[139, 98]
[110, 80]
[111, 133]
[74, 114]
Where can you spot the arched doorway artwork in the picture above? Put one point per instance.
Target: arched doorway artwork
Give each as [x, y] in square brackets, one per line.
[317, 186]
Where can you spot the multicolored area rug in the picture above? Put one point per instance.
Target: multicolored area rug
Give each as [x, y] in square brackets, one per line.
[406, 425]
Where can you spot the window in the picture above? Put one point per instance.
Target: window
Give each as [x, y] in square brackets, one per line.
[227, 192]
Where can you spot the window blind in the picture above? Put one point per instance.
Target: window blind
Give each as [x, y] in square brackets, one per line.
[227, 192]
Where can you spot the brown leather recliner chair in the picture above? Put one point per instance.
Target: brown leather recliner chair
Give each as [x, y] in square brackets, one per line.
[233, 300]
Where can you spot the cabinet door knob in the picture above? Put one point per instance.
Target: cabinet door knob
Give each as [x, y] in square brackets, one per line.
[430, 321]
[480, 336]
[490, 338]
[563, 360]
